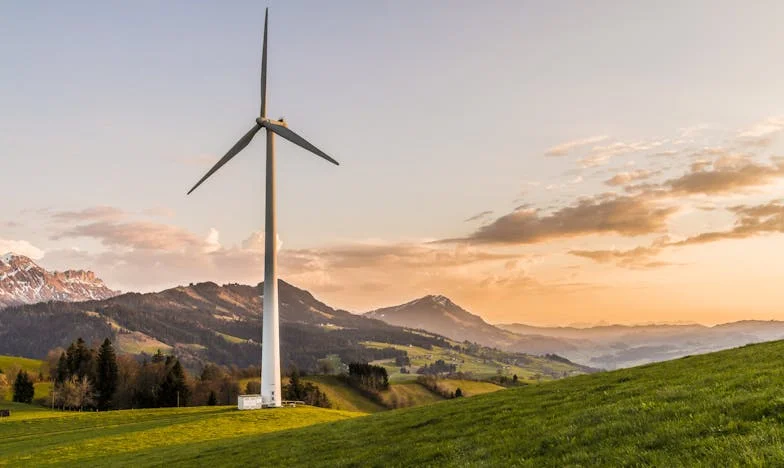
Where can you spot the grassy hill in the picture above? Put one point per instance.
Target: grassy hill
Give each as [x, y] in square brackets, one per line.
[343, 397]
[30, 365]
[719, 409]
[9, 365]
[35, 436]
[527, 367]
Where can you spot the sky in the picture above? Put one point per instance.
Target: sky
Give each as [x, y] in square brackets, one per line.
[547, 163]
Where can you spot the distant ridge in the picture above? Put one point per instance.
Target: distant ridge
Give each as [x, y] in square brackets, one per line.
[22, 281]
[438, 314]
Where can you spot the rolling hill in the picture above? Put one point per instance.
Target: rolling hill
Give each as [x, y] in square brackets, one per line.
[206, 322]
[438, 314]
[203, 322]
[617, 346]
[719, 409]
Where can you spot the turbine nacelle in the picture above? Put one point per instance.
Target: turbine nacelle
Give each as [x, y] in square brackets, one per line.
[262, 121]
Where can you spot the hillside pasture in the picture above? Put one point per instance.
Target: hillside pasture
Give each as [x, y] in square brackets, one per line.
[36, 437]
[719, 409]
[535, 368]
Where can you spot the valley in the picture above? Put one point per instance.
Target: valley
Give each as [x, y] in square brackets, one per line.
[712, 409]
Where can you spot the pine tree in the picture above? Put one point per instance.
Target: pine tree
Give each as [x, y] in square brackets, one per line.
[80, 360]
[62, 369]
[23, 388]
[294, 390]
[174, 389]
[158, 357]
[458, 393]
[106, 382]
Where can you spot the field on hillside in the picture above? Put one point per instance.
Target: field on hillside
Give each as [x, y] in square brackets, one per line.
[342, 396]
[719, 409]
[469, 387]
[30, 365]
[408, 394]
[35, 436]
[537, 369]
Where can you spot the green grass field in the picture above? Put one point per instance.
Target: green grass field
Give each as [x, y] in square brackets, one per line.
[30, 365]
[35, 437]
[469, 387]
[479, 368]
[404, 395]
[719, 409]
[342, 396]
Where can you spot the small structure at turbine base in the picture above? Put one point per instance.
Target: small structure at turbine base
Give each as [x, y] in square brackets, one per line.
[249, 402]
[246, 402]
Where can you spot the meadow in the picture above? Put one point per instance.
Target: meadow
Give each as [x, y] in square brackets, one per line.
[10, 364]
[35, 436]
[535, 370]
[719, 409]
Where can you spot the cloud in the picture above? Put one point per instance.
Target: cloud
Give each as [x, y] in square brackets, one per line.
[96, 213]
[693, 130]
[729, 174]
[143, 235]
[761, 133]
[602, 214]
[600, 155]
[402, 254]
[623, 178]
[564, 148]
[20, 247]
[636, 258]
[750, 221]
[255, 242]
[479, 216]
[212, 241]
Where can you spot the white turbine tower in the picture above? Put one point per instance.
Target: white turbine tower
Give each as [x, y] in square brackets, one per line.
[270, 351]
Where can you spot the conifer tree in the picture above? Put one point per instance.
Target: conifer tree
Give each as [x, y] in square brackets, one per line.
[106, 381]
[23, 388]
[62, 369]
[174, 389]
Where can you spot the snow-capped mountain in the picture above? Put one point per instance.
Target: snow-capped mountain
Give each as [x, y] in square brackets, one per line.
[22, 281]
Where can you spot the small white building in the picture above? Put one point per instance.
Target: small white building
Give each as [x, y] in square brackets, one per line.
[246, 402]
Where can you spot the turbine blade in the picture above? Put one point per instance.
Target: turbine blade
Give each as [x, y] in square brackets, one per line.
[288, 134]
[264, 69]
[239, 146]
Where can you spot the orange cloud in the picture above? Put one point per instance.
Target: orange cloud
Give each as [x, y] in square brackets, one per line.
[602, 214]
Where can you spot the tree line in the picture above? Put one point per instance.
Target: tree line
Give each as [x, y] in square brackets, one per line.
[88, 378]
[97, 378]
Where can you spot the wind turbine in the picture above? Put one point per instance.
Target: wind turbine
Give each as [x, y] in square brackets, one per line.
[270, 350]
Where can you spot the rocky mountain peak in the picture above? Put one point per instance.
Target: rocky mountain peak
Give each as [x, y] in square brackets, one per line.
[22, 281]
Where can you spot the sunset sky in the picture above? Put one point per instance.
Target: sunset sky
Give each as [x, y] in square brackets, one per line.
[537, 162]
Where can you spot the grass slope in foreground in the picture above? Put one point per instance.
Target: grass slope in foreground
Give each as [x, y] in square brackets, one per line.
[34, 436]
[719, 409]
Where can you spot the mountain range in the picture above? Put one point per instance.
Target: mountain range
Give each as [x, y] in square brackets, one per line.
[22, 281]
[208, 322]
[606, 347]
[438, 314]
